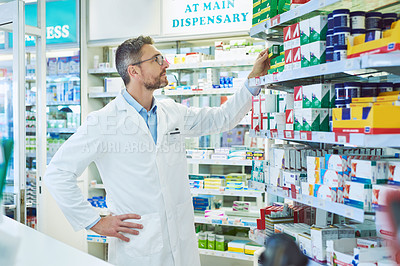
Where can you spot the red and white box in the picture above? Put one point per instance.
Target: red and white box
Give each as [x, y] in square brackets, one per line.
[289, 119]
[298, 97]
[296, 57]
[288, 59]
[287, 38]
[295, 34]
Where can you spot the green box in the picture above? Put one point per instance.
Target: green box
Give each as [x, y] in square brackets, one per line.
[274, 51]
[298, 119]
[256, 7]
[202, 240]
[280, 59]
[274, 8]
[256, 19]
[272, 70]
[304, 31]
[220, 243]
[318, 28]
[264, 16]
[211, 241]
[305, 55]
[332, 95]
[317, 53]
[324, 119]
[316, 96]
[311, 119]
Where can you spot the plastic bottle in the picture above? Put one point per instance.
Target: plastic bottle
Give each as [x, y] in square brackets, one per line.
[357, 20]
[341, 18]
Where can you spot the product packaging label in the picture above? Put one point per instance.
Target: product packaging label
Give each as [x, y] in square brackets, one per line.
[317, 53]
[298, 97]
[311, 119]
[318, 28]
[304, 32]
[296, 57]
[298, 119]
[305, 55]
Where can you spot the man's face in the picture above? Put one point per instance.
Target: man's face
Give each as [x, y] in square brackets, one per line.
[153, 75]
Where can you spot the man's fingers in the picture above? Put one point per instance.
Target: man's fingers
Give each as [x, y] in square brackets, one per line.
[122, 237]
[131, 225]
[129, 216]
[127, 230]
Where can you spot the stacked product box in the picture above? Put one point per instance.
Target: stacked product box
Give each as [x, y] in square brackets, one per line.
[241, 206]
[368, 115]
[305, 43]
[203, 202]
[269, 111]
[312, 105]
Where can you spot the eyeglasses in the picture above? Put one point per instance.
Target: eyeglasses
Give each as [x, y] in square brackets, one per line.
[158, 58]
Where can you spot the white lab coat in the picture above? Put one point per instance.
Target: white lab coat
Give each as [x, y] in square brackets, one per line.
[140, 176]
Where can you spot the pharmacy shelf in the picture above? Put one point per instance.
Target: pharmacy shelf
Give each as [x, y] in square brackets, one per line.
[54, 130]
[226, 254]
[236, 221]
[257, 185]
[220, 162]
[353, 67]
[215, 64]
[239, 193]
[262, 30]
[209, 91]
[63, 103]
[259, 237]
[95, 95]
[333, 207]
[205, 64]
[356, 139]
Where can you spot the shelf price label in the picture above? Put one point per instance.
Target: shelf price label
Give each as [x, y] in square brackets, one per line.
[257, 81]
[323, 68]
[309, 201]
[342, 137]
[321, 203]
[275, 20]
[349, 64]
[275, 77]
[289, 134]
[305, 135]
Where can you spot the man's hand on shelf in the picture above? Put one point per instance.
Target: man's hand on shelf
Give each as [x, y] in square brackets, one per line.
[261, 66]
[114, 225]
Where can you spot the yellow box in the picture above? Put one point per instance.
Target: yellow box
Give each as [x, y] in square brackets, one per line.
[386, 93]
[388, 98]
[364, 100]
[361, 105]
[238, 250]
[378, 119]
[395, 103]
[389, 43]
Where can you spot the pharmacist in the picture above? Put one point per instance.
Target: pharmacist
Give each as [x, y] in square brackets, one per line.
[137, 144]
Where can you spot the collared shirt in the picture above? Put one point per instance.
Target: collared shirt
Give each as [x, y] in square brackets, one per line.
[150, 117]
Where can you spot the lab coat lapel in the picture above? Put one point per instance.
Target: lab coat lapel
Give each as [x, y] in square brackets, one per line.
[123, 106]
[161, 124]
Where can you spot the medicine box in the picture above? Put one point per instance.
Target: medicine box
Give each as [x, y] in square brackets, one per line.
[364, 171]
[319, 237]
[394, 172]
[325, 192]
[298, 119]
[63, 65]
[249, 249]
[318, 28]
[275, 178]
[379, 194]
[305, 244]
[324, 119]
[305, 55]
[237, 246]
[287, 38]
[332, 178]
[298, 97]
[289, 114]
[314, 166]
[295, 32]
[307, 189]
[113, 84]
[289, 59]
[316, 96]
[317, 53]
[304, 32]
[336, 162]
[290, 178]
[311, 119]
[358, 195]
[284, 102]
[52, 66]
[268, 103]
[296, 58]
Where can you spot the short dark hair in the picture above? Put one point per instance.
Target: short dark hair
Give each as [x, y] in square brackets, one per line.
[129, 52]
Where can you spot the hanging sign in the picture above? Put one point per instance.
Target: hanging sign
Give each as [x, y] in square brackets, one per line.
[199, 16]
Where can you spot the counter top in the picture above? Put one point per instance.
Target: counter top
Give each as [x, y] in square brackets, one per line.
[33, 248]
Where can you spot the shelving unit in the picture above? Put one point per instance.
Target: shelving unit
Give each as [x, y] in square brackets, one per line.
[352, 68]
[239, 193]
[226, 254]
[333, 207]
[220, 162]
[356, 139]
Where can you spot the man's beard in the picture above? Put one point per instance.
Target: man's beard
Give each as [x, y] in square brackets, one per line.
[156, 84]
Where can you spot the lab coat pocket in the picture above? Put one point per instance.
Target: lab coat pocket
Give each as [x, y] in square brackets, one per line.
[174, 153]
[186, 220]
[149, 241]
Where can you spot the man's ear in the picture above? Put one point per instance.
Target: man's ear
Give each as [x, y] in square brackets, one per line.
[133, 70]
